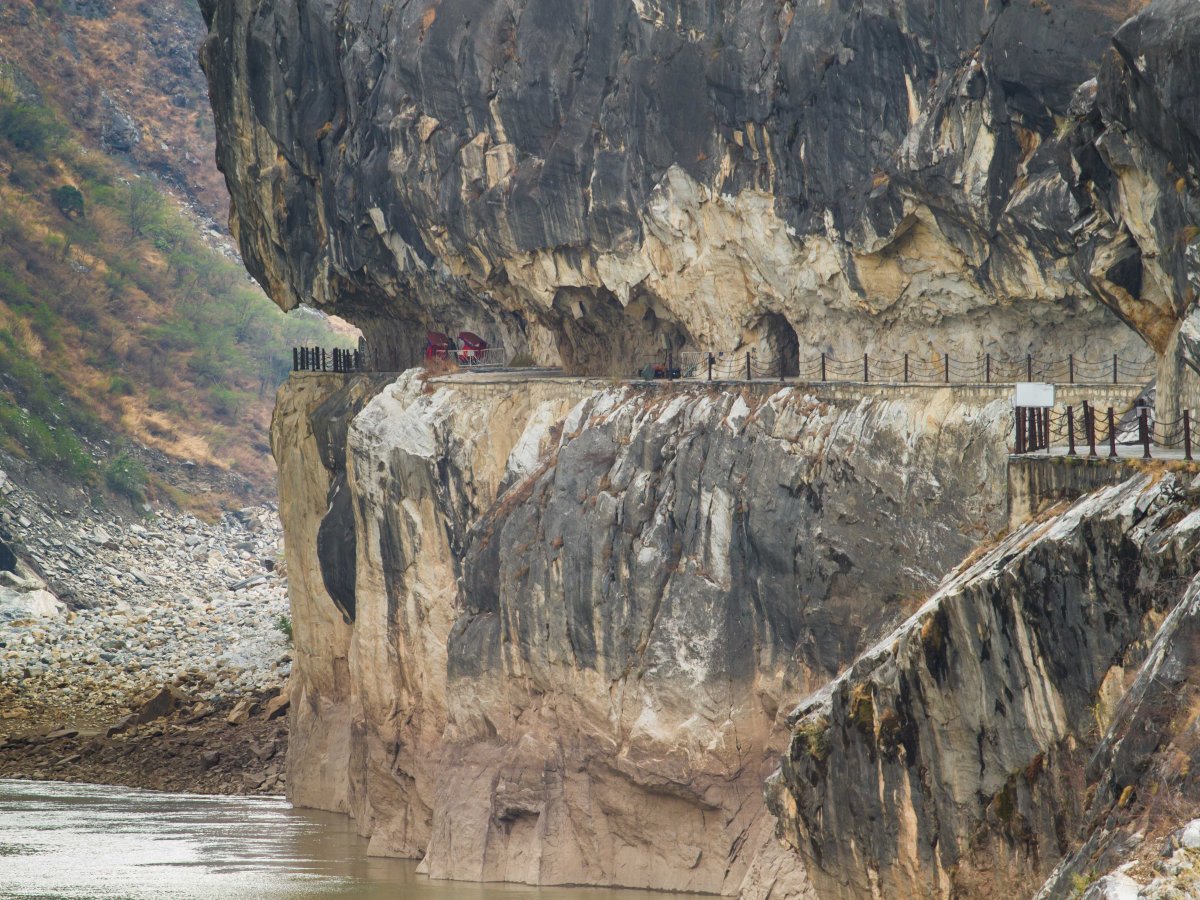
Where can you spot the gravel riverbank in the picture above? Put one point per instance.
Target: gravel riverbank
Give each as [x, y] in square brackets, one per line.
[102, 613]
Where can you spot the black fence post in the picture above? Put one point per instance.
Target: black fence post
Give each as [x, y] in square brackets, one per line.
[1114, 368]
[324, 360]
[1071, 367]
[748, 376]
[710, 364]
[906, 368]
[1029, 367]
[1187, 435]
[295, 360]
[1144, 433]
[1112, 433]
[1070, 431]
[946, 366]
[1089, 422]
[1020, 429]
[823, 367]
[989, 368]
[866, 370]
[1046, 428]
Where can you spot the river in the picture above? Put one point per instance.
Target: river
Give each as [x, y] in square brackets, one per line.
[90, 841]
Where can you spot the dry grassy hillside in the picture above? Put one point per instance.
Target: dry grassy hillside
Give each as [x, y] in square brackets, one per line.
[126, 324]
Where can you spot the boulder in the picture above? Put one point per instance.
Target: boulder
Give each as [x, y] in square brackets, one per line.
[277, 706]
[162, 703]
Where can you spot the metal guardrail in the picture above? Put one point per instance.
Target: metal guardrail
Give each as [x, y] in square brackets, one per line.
[1084, 429]
[491, 356]
[318, 359]
[746, 365]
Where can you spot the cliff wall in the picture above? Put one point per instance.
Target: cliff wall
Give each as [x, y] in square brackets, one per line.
[1020, 711]
[597, 181]
[576, 625]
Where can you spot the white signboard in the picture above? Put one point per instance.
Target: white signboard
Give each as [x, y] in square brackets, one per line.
[1033, 393]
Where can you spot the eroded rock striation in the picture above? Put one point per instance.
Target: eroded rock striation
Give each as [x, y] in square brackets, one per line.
[594, 181]
[954, 756]
[578, 629]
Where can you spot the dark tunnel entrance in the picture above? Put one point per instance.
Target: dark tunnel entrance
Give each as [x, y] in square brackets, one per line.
[782, 344]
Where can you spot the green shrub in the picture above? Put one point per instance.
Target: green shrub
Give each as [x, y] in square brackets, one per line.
[69, 201]
[32, 129]
[53, 445]
[284, 626]
[226, 402]
[126, 476]
[120, 386]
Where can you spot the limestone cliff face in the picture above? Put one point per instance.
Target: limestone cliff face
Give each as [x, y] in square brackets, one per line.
[957, 755]
[597, 180]
[575, 632]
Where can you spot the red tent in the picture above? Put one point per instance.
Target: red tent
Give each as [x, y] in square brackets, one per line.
[438, 345]
[472, 348]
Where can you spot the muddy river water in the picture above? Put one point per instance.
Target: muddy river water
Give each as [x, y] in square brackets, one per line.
[89, 841]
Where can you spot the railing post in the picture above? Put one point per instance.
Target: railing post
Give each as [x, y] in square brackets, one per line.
[989, 368]
[1144, 433]
[906, 368]
[823, 367]
[946, 366]
[1114, 368]
[1031, 429]
[710, 365]
[748, 378]
[1187, 435]
[1029, 367]
[1020, 429]
[1070, 431]
[295, 359]
[1112, 433]
[866, 370]
[1089, 423]
[1046, 429]
[324, 367]
[1071, 367]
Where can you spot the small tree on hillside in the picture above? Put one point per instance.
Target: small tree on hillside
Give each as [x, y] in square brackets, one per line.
[144, 207]
[69, 201]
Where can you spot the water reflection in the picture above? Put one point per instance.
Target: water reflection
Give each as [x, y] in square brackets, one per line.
[89, 841]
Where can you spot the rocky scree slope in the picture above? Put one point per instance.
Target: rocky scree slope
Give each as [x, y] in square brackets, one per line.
[98, 609]
[602, 180]
[529, 651]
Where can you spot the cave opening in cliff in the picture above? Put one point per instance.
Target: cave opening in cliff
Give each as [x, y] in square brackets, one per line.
[782, 344]
[598, 335]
